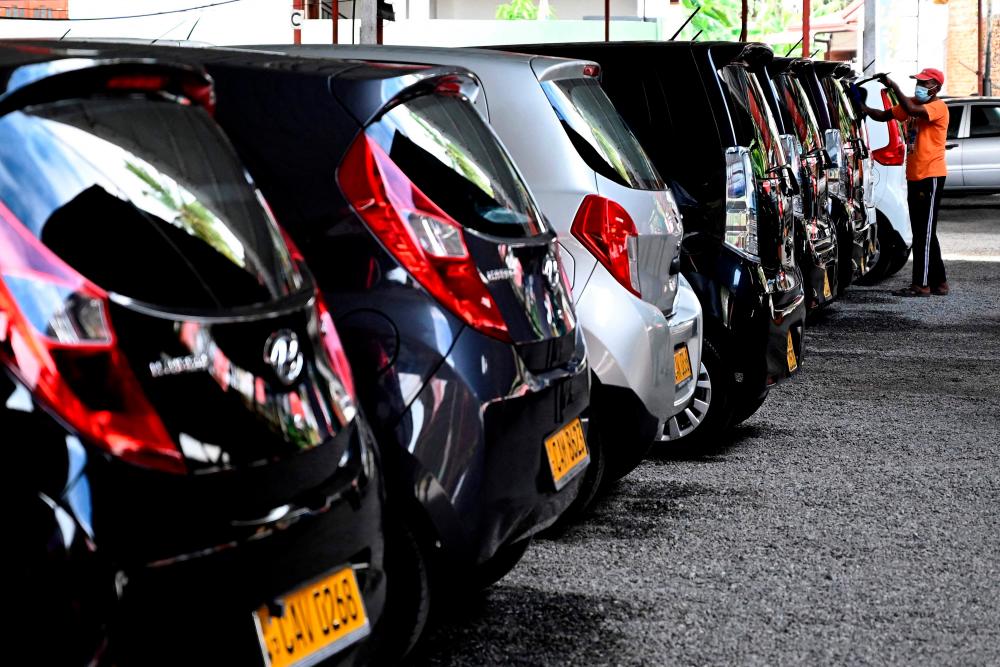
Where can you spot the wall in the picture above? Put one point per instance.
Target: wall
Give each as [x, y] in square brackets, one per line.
[963, 47]
[908, 36]
[245, 22]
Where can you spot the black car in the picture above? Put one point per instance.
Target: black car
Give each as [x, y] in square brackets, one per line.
[446, 284]
[701, 115]
[816, 246]
[189, 478]
[849, 176]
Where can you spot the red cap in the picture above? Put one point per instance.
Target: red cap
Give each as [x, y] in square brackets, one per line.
[930, 74]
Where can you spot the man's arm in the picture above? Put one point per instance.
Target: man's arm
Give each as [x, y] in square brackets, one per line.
[908, 105]
[882, 115]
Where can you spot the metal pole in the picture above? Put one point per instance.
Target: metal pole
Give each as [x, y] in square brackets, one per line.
[607, 20]
[335, 15]
[979, 47]
[299, 6]
[806, 10]
[368, 13]
[743, 21]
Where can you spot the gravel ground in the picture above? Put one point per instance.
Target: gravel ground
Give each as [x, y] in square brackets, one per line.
[854, 519]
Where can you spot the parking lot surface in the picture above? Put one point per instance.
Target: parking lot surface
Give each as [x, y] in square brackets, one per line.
[853, 519]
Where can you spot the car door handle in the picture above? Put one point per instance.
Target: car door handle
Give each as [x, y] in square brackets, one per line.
[948, 147]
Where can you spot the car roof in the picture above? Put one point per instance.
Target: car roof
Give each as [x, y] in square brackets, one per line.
[969, 98]
[469, 57]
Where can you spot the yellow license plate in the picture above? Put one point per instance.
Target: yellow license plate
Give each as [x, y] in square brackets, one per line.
[682, 365]
[793, 363]
[567, 452]
[316, 621]
[826, 285]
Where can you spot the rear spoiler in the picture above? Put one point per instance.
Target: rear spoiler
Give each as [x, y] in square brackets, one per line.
[69, 78]
[755, 55]
[401, 83]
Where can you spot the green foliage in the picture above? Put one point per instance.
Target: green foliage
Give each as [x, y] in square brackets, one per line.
[520, 9]
[720, 19]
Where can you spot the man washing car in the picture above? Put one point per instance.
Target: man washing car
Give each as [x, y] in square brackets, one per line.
[926, 119]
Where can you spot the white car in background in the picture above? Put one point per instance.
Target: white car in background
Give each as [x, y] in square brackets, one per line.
[887, 143]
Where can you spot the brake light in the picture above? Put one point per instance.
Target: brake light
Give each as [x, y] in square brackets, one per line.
[428, 242]
[892, 154]
[55, 335]
[591, 70]
[741, 203]
[608, 232]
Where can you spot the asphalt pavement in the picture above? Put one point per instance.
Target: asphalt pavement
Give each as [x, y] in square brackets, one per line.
[854, 519]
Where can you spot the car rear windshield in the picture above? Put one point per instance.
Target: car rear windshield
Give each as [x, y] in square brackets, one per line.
[599, 134]
[752, 119]
[799, 112]
[146, 199]
[447, 150]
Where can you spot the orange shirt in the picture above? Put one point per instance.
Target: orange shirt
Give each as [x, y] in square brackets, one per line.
[925, 139]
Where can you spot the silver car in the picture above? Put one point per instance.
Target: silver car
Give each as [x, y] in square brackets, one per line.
[973, 144]
[618, 226]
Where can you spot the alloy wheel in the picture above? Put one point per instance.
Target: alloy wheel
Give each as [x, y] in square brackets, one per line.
[685, 423]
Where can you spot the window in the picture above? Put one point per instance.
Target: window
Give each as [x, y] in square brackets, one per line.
[447, 150]
[599, 135]
[955, 120]
[984, 120]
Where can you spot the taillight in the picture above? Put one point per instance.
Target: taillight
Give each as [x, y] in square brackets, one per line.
[892, 154]
[608, 232]
[428, 242]
[55, 335]
[741, 203]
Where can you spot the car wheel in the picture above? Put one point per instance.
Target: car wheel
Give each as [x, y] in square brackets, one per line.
[502, 562]
[897, 262]
[711, 409]
[408, 594]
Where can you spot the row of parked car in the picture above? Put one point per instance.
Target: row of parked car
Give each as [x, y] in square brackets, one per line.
[301, 343]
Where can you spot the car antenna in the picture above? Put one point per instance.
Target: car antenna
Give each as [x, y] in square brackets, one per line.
[697, 34]
[686, 21]
[789, 51]
[191, 32]
[865, 69]
[64, 34]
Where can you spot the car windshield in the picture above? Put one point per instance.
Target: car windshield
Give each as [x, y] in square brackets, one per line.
[599, 134]
[449, 152]
[146, 199]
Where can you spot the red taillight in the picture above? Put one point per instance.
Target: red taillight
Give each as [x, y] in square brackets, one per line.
[334, 348]
[423, 238]
[55, 335]
[591, 70]
[138, 82]
[605, 229]
[892, 154]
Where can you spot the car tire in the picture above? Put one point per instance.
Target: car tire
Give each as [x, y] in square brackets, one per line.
[746, 409]
[898, 261]
[706, 420]
[500, 563]
[889, 248]
[408, 594]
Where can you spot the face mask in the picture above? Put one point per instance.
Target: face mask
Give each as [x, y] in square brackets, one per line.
[922, 93]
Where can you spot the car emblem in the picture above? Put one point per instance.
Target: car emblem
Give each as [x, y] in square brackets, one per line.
[283, 353]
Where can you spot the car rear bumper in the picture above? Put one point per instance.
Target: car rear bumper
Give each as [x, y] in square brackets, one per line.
[629, 343]
[686, 327]
[473, 447]
[175, 603]
[751, 313]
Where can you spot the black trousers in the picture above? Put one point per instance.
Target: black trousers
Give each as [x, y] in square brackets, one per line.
[924, 198]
